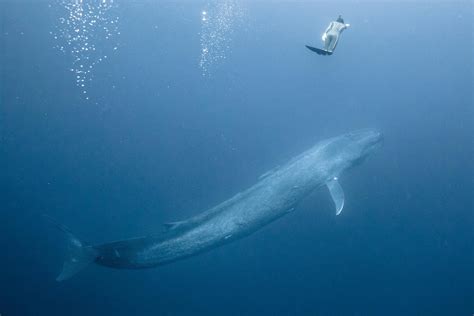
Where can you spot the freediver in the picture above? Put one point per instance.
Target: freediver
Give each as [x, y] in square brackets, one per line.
[331, 37]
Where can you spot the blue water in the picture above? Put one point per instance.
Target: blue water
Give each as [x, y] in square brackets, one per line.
[158, 138]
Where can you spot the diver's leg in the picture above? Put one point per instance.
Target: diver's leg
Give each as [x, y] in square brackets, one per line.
[327, 42]
[336, 40]
[333, 43]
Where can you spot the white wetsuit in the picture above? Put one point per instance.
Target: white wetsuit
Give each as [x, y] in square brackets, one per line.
[331, 35]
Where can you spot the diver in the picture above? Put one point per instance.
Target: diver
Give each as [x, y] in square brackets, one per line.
[331, 37]
[332, 33]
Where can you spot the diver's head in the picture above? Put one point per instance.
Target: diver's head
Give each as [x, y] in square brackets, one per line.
[340, 19]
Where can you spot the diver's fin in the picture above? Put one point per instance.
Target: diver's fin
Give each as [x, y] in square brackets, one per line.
[79, 254]
[337, 194]
[173, 225]
[318, 51]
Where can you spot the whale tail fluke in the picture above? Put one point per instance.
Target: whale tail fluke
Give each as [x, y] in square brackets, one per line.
[79, 254]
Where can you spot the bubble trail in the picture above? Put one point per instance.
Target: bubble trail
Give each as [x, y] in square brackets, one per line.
[217, 26]
[83, 31]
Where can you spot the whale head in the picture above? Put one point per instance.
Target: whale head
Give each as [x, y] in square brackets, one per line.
[361, 144]
[351, 149]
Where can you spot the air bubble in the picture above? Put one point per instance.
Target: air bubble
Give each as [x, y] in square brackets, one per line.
[83, 26]
[217, 25]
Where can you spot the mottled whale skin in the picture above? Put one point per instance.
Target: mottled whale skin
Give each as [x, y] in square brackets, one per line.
[274, 195]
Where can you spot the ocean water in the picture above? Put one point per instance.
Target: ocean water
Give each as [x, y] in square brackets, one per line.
[117, 116]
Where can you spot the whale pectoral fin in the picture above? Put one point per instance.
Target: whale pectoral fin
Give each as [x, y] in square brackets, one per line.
[173, 225]
[337, 194]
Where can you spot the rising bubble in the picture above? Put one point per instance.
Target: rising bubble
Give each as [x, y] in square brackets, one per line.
[84, 31]
[218, 22]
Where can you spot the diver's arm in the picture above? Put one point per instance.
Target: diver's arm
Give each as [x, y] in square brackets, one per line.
[346, 25]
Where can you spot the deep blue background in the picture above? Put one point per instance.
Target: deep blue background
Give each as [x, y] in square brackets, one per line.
[158, 142]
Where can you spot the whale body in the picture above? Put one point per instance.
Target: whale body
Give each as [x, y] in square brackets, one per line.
[275, 194]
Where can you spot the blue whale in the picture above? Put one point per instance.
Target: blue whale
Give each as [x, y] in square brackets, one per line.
[275, 194]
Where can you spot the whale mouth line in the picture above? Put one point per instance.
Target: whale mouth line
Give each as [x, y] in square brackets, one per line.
[373, 137]
[377, 141]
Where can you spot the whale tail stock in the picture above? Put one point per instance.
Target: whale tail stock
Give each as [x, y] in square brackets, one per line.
[79, 254]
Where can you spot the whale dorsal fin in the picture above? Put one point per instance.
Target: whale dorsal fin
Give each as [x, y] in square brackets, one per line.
[268, 173]
[173, 225]
[337, 194]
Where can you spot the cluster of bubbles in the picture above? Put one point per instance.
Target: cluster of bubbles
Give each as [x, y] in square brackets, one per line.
[217, 25]
[84, 28]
